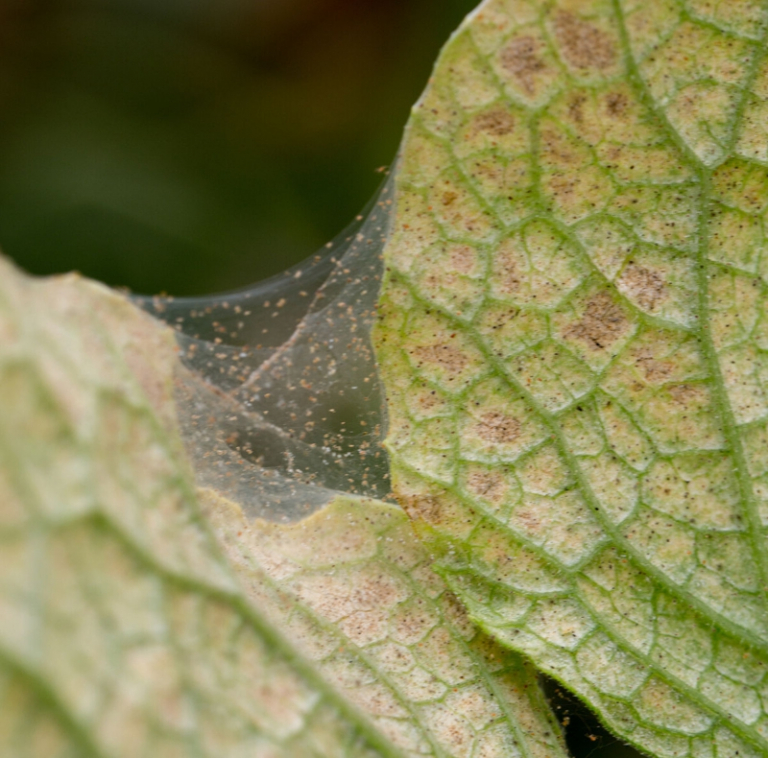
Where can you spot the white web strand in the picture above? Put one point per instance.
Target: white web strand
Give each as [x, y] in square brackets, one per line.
[279, 401]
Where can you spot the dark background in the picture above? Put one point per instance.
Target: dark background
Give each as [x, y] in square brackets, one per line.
[191, 146]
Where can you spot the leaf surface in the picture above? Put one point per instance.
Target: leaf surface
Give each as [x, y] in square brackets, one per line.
[354, 588]
[129, 626]
[573, 340]
[123, 631]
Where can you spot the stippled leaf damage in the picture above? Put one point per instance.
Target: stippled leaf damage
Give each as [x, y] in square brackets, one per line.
[133, 622]
[573, 338]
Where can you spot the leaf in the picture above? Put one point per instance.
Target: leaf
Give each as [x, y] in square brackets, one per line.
[122, 630]
[353, 587]
[573, 340]
[128, 627]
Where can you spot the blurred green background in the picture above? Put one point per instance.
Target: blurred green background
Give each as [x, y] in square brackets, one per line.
[192, 146]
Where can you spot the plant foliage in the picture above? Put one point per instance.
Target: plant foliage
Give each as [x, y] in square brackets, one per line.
[571, 336]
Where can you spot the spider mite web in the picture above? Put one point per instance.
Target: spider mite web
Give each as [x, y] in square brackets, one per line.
[279, 402]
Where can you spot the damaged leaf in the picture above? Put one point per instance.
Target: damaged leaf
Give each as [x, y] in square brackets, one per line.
[135, 622]
[577, 401]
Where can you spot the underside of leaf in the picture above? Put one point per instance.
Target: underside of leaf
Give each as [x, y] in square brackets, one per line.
[123, 631]
[353, 588]
[573, 336]
[133, 622]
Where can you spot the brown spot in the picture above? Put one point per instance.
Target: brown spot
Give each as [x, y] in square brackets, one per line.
[423, 508]
[602, 324]
[616, 103]
[428, 401]
[683, 394]
[488, 172]
[558, 149]
[463, 259]
[563, 187]
[496, 122]
[654, 370]
[440, 279]
[449, 197]
[487, 484]
[499, 320]
[576, 107]
[644, 285]
[374, 592]
[506, 274]
[528, 519]
[521, 59]
[498, 428]
[413, 621]
[448, 357]
[583, 45]
[454, 610]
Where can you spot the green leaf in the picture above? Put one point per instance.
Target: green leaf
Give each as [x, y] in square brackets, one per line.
[129, 626]
[573, 338]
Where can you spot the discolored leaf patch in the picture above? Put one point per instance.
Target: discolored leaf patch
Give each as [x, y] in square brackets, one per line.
[141, 616]
[603, 503]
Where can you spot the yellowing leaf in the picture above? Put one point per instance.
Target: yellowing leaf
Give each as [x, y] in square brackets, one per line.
[577, 276]
[353, 588]
[123, 631]
[127, 627]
